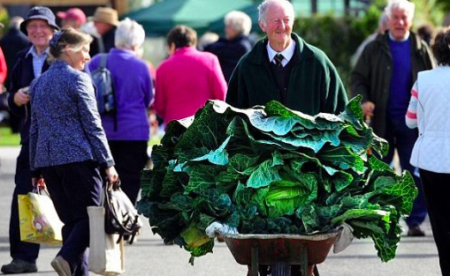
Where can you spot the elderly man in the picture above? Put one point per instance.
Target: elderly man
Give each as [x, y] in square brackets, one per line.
[235, 44]
[39, 26]
[285, 68]
[384, 75]
[105, 22]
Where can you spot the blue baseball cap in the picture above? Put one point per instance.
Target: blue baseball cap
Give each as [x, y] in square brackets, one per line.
[38, 12]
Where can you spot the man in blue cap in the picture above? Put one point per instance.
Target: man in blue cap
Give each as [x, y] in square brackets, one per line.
[39, 26]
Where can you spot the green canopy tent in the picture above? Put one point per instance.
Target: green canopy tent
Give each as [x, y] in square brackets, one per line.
[159, 18]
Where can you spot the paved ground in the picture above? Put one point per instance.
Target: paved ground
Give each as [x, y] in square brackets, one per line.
[149, 256]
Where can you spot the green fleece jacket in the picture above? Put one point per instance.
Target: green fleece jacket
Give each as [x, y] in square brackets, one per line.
[314, 84]
[372, 74]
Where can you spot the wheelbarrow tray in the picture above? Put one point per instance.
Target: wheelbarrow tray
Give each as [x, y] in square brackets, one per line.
[291, 249]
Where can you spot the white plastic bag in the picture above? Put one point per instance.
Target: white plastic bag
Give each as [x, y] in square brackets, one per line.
[219, 228]
[344, 239]
[106, 256]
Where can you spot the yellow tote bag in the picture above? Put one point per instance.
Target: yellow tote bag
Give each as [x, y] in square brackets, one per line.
[38, 220]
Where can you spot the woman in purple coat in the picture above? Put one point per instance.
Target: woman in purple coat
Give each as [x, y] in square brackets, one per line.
[134, 93]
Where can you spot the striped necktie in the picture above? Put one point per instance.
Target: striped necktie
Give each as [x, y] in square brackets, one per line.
[278, 59]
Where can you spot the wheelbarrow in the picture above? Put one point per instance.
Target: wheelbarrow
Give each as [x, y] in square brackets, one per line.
[280, 252]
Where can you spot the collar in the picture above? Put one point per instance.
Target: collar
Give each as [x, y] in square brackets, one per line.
[287, 53]
[123, 50]
[32, 51]
[403, 40]
[184, 50]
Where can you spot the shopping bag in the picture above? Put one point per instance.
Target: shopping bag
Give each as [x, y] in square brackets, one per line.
[38, 220]
[106, 255]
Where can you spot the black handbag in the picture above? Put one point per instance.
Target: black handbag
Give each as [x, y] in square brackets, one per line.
[121, 216]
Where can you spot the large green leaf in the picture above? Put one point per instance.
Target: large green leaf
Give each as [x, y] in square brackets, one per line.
[342, 158]
[265, 174]
[218, 156]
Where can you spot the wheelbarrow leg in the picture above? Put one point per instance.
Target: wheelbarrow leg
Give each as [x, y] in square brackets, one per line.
[316, 271]
[304, 262]
[255, 259]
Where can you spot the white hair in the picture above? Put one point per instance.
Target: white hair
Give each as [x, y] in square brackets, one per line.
[15, 22]
[239, 21]
[129, 34]
[262, 9]
[400, 4]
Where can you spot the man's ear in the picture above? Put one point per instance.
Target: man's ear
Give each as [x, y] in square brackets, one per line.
[262, 25]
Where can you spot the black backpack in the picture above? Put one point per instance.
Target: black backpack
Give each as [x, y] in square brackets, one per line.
[121, 217]
[105, 90]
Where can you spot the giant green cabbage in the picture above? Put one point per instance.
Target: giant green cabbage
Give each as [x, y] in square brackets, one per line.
[271, 170]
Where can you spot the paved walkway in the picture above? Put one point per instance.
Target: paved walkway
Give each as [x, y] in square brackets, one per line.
[149, 256]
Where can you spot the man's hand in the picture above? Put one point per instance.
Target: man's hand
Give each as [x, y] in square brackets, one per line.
[112, 175]
[368, 108]
[21, 97]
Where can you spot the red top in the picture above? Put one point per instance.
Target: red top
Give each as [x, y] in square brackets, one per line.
[3, 69]
[185, 81]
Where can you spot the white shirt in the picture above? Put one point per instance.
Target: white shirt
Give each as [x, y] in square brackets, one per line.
[287, 53]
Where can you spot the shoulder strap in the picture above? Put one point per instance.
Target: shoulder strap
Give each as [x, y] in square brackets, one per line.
[103, 60]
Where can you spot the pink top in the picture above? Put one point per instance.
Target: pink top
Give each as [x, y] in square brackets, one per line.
[185, 81]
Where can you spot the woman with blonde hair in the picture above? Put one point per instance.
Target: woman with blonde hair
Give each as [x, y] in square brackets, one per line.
[68, 146]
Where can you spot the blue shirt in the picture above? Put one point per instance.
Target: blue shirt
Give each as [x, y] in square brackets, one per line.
[400, 87]
[38, 60]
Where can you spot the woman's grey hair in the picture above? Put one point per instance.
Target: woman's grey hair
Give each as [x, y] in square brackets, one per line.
[239, 21]
[400, 4]
[129, 34]
[67, 37]
[262, 9]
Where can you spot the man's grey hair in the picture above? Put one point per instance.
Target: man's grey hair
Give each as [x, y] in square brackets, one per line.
[239, 21]
[129, 34]
[400, 4]
[262, 9]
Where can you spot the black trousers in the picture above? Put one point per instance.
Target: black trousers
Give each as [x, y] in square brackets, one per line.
[21, 250]
[436, 188]
[73, 187]
[402, 138]
[130, 158]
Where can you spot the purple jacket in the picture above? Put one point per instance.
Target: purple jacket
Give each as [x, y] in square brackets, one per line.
[134, 93]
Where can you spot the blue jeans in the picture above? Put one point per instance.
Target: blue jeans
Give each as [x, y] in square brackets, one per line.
[402, 138]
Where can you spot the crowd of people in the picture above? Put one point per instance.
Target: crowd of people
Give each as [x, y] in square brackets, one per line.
[76, 149]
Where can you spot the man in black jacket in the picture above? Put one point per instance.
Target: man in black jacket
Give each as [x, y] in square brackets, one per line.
[384, 76]
[105, 22]
[39, 26]
[235, 44]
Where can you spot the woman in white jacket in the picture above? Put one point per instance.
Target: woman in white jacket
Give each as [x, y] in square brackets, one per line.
[429, 110]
